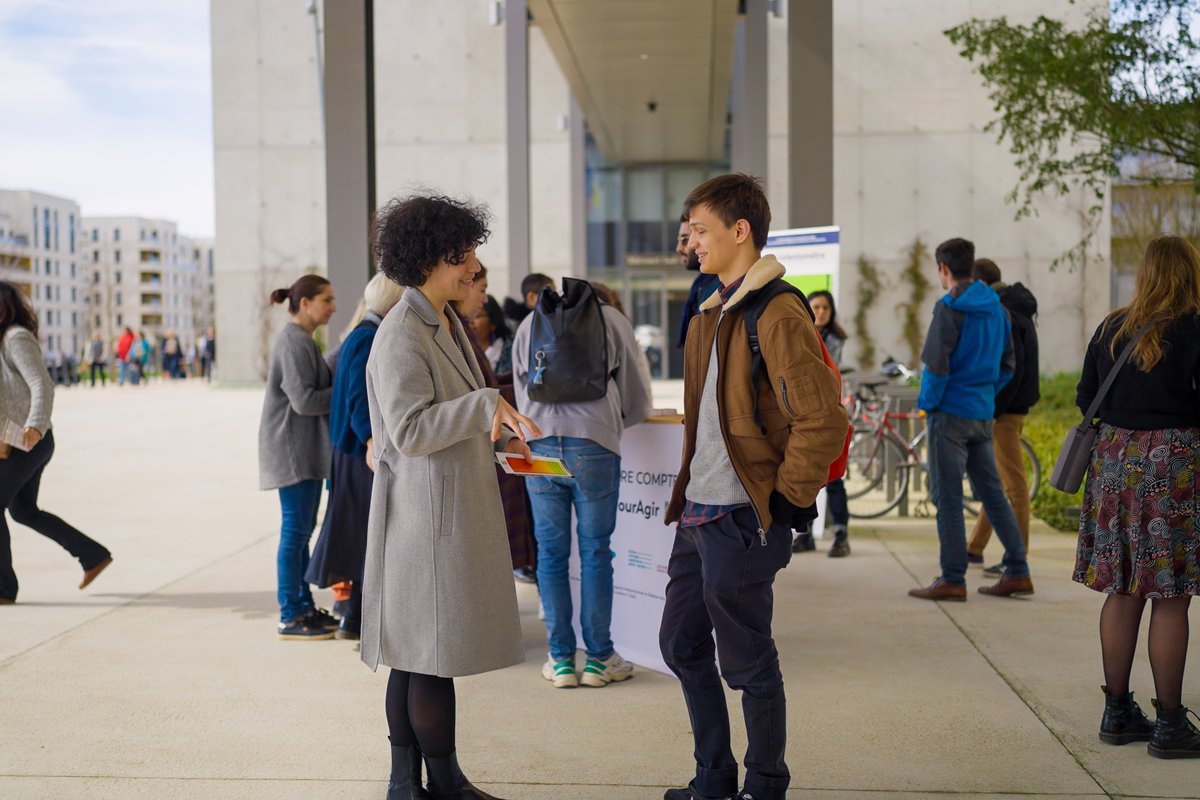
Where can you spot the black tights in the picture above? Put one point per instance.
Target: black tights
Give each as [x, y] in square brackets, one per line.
[1119, 622]
[420, 711]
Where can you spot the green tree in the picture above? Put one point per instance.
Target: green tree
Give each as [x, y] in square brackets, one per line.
[1072, 101]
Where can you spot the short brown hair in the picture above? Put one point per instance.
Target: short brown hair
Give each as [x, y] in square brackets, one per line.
[733, 197]
[984, 269]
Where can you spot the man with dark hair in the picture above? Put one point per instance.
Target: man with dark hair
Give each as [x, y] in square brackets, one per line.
[702, 287]
[968, 359]
[1012, 405]
[531, 287]
[741, 488]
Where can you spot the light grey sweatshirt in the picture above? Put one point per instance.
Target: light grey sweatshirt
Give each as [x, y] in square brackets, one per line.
[714, 481]
[26, 391]
[293, 434]
[627, 402]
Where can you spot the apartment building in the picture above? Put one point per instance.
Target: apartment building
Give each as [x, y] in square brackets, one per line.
[40, 252]
[145, 276]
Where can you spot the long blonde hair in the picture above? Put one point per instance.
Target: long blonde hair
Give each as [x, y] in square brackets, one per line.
[1167, 287]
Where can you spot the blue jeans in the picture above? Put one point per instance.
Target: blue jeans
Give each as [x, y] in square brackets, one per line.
[958, 445]
[299, 503]
[593, 494]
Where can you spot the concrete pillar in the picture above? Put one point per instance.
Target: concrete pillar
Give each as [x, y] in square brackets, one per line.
[516, 90]
[578, 191]
[810, 113]
[349, 89]
[749, 143]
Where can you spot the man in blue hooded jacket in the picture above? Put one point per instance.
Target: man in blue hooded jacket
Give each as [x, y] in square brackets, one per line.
[968, 359]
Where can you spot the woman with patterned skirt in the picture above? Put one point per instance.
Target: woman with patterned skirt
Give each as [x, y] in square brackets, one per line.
[1138, 538]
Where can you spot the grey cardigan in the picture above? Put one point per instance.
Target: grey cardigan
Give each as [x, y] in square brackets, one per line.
[293, 434]
[26, 391]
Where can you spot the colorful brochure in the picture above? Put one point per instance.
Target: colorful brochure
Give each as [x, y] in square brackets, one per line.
[537, 467]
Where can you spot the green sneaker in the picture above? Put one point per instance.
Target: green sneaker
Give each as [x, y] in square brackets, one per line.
[602, 673]
[560, 673]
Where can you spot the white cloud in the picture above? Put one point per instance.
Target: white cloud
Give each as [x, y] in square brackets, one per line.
[110, 104]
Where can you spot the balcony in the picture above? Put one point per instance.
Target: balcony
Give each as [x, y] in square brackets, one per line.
[151, 279]
[152, 320]
[150, 256]
[152, 300]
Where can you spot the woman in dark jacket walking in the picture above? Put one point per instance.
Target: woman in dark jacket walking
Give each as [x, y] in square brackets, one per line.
[834, 337]
[1138, 537]
[342, 545]
[293, 449]
[26, 400]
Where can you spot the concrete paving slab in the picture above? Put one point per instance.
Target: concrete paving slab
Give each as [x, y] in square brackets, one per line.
[165, 677]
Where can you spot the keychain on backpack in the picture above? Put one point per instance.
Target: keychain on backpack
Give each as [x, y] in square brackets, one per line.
[539, 368]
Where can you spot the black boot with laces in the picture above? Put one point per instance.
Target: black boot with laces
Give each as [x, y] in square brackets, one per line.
[1174, 734]
[1124, 721]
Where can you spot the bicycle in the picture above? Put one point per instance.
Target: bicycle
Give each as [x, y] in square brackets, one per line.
[881, 463]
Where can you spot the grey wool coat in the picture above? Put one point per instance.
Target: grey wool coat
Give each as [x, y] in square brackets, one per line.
[293, 432]
[438, 595]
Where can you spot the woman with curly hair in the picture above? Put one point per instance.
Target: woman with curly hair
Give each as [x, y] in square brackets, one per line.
[26, 399]
[1138, 536]
[439, 601]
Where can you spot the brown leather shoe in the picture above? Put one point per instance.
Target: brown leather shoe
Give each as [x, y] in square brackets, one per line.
[7, 601]
[89, 575]
[1009, 586]
[940, 590]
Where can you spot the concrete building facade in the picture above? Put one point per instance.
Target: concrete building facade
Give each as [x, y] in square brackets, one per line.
[910, 159]
[40, 250]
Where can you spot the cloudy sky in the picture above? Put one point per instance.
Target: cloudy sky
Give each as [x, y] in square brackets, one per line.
[109, 102]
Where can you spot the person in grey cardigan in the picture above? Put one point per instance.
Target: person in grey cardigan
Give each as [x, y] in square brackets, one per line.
[293, 449]
[438, 596]
[26, 400]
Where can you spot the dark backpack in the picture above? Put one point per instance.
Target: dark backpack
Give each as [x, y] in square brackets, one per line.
[752, 309]
[568, 346]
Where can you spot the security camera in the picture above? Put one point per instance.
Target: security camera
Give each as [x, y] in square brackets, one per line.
[652, 106]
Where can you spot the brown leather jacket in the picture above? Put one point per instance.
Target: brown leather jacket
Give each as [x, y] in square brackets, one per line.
[806, 423]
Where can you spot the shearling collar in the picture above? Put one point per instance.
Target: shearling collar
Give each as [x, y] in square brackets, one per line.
[765, 270]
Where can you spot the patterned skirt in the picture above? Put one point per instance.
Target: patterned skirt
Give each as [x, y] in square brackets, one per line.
[1138, 526]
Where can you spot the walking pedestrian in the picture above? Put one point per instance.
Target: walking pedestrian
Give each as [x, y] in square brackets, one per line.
[968, 359]
[342, 545]
[439, 600]
[1012, 405]
[97, 362]
[293, 449]
[124, 345]
[1138, 538]
[26, 402]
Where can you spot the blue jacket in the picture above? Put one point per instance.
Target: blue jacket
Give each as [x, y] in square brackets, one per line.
[349, 419]
[968, 354]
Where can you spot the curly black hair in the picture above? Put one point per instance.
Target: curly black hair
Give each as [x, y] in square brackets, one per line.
[414, 234]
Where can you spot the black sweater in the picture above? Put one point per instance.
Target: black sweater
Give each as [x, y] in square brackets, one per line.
[1165, 397]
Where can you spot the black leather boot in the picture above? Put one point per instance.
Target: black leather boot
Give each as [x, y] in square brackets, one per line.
[447, 782]
[1174, 735]
[1124, 721]
[405, 783]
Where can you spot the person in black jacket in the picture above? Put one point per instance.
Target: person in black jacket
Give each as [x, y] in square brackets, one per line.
[702, 287]
[1012, 404]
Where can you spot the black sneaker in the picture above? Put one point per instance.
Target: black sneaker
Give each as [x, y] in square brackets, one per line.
[302, 630]
[525, 575]
[803, 543]
[689, 793]
[994, 571]
[974, 559]
[320, 618]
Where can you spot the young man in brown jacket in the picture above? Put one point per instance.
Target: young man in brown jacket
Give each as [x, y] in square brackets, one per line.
[741, 486]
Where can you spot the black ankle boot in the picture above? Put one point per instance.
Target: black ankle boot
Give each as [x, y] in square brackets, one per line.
[1124, 721]
[447, 782]
[1174, 735]
[405, 783]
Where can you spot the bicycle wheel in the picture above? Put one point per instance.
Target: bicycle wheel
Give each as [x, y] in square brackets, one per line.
[970, 502]
[876, 475]
[1033, 468]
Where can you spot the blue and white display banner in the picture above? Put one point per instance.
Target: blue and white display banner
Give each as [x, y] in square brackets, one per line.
[811, 257]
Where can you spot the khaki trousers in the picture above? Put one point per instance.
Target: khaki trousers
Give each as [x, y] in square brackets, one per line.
[1010, 463]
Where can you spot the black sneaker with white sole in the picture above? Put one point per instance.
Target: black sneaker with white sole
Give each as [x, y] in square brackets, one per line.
[303, 630]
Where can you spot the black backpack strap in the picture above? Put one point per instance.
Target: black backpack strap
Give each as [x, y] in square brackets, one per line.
[752, 309]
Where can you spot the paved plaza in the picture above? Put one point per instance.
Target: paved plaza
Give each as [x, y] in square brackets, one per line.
[165, 679]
